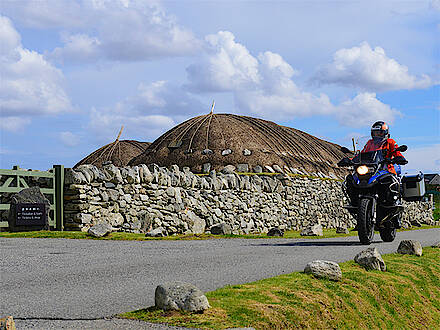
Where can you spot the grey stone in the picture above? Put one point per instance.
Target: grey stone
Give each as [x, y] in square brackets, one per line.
[258, 169]
[277, 168]
[228, 169]
[206, 168]
[315, 230]
[31, 195]
[242, 168]
[180, 296]
[275, 232]
[226, 152]
[109, 185]
[221, 229]
[158, 232]
[247, 152]
[324, 269]
[113, 173]
[410, 247]
[147, 177]
[207, 152]
[100, 230]
[84, 218]
[436, 245]
[195, 224]
[115, 219]
[342, 230]
[73, 177]
[370, 259]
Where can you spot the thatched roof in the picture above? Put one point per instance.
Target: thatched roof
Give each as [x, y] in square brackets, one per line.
[119, 152]
[210, 138]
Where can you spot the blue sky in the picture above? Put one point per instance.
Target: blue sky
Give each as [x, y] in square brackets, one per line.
[73, 72]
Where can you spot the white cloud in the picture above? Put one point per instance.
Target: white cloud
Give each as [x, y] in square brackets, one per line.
[264, 86]
[133, 30]
[360, 110]
[30, 86]
[13, 123]
[155, 108]
[425, 159]
[69, 139]
[369, 69]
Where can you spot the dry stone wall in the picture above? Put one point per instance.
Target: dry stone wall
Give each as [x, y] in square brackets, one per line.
[143, 198]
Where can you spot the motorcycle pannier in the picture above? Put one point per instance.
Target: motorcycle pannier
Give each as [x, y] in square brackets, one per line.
[413, 187]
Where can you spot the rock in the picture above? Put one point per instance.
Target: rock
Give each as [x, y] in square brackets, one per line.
[158, 232]
[7, 323]
[228, 169]
[342, 230]
[277, 168]
[436, 245]
[221, 229]
[180, 296]
[207, 152]
[370, 259]
[83, 218]
[269, 169]
[275, 232]
[315, 230]
[247, 152]
[258, 169]
[226, 152]
[100, 230]
[195, 224]
[115, 219]
[206, 168]
[324, 269]
[31, 195]
[113, 173]
[410, 247]
[242, 168]
[73, 177]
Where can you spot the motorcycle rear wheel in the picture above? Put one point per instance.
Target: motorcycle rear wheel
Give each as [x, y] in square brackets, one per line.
[365, 221]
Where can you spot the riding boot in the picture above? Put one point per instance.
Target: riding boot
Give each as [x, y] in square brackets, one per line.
[397, 222]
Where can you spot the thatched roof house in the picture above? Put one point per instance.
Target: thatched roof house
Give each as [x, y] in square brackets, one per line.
[223, 139]
[118, 152]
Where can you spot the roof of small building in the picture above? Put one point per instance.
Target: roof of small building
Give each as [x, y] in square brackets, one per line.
[224, 139]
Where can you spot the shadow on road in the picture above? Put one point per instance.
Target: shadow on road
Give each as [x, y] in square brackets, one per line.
[331, 243]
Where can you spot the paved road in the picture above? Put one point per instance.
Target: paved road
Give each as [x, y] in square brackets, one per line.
[87, 279]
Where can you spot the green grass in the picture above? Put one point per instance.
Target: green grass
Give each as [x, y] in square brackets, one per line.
[122, 236]
[406, 296]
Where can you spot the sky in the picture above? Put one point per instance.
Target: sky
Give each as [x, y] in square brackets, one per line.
[74, 71]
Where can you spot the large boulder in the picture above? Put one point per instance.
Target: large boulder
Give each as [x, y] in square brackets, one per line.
[410, 247]
[180, 296]
[324, 269]
[158, 232]
[100, 230]
[370, 259]
[315, 230]
[195, 224]
[221, 229]
[31, 195]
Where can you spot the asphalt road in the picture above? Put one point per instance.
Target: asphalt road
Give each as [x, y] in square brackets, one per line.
[88, 279]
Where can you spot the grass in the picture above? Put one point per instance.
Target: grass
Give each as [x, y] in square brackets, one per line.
[122, 236]
[406, 296]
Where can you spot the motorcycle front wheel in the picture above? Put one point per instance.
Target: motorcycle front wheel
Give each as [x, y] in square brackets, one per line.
[365, 221]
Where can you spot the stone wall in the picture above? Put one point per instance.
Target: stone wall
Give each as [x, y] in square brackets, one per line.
[141, 198]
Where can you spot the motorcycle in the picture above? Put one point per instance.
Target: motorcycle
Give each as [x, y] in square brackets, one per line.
[375, 194]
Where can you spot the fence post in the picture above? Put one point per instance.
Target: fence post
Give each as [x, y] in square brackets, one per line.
[59, 197]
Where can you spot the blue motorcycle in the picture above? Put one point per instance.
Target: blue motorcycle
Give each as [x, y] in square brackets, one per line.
[374, 193]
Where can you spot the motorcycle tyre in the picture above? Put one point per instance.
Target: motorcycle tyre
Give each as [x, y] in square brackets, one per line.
[388, 234]
[365, 225]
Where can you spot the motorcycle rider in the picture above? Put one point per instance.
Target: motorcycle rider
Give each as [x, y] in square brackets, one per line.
[380, 139]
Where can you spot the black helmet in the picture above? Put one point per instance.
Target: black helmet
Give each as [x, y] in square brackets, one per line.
[379, 131]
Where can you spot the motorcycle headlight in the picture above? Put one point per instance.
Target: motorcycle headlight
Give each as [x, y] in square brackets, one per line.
[362, 170]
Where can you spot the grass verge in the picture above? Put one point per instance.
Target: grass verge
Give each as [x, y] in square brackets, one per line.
[406, 296]
[122, 236]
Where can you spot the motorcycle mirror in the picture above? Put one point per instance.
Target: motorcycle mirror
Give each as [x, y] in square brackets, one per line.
[402, 148]
[346, 150]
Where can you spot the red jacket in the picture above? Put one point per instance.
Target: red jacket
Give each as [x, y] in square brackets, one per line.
[389, 145]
